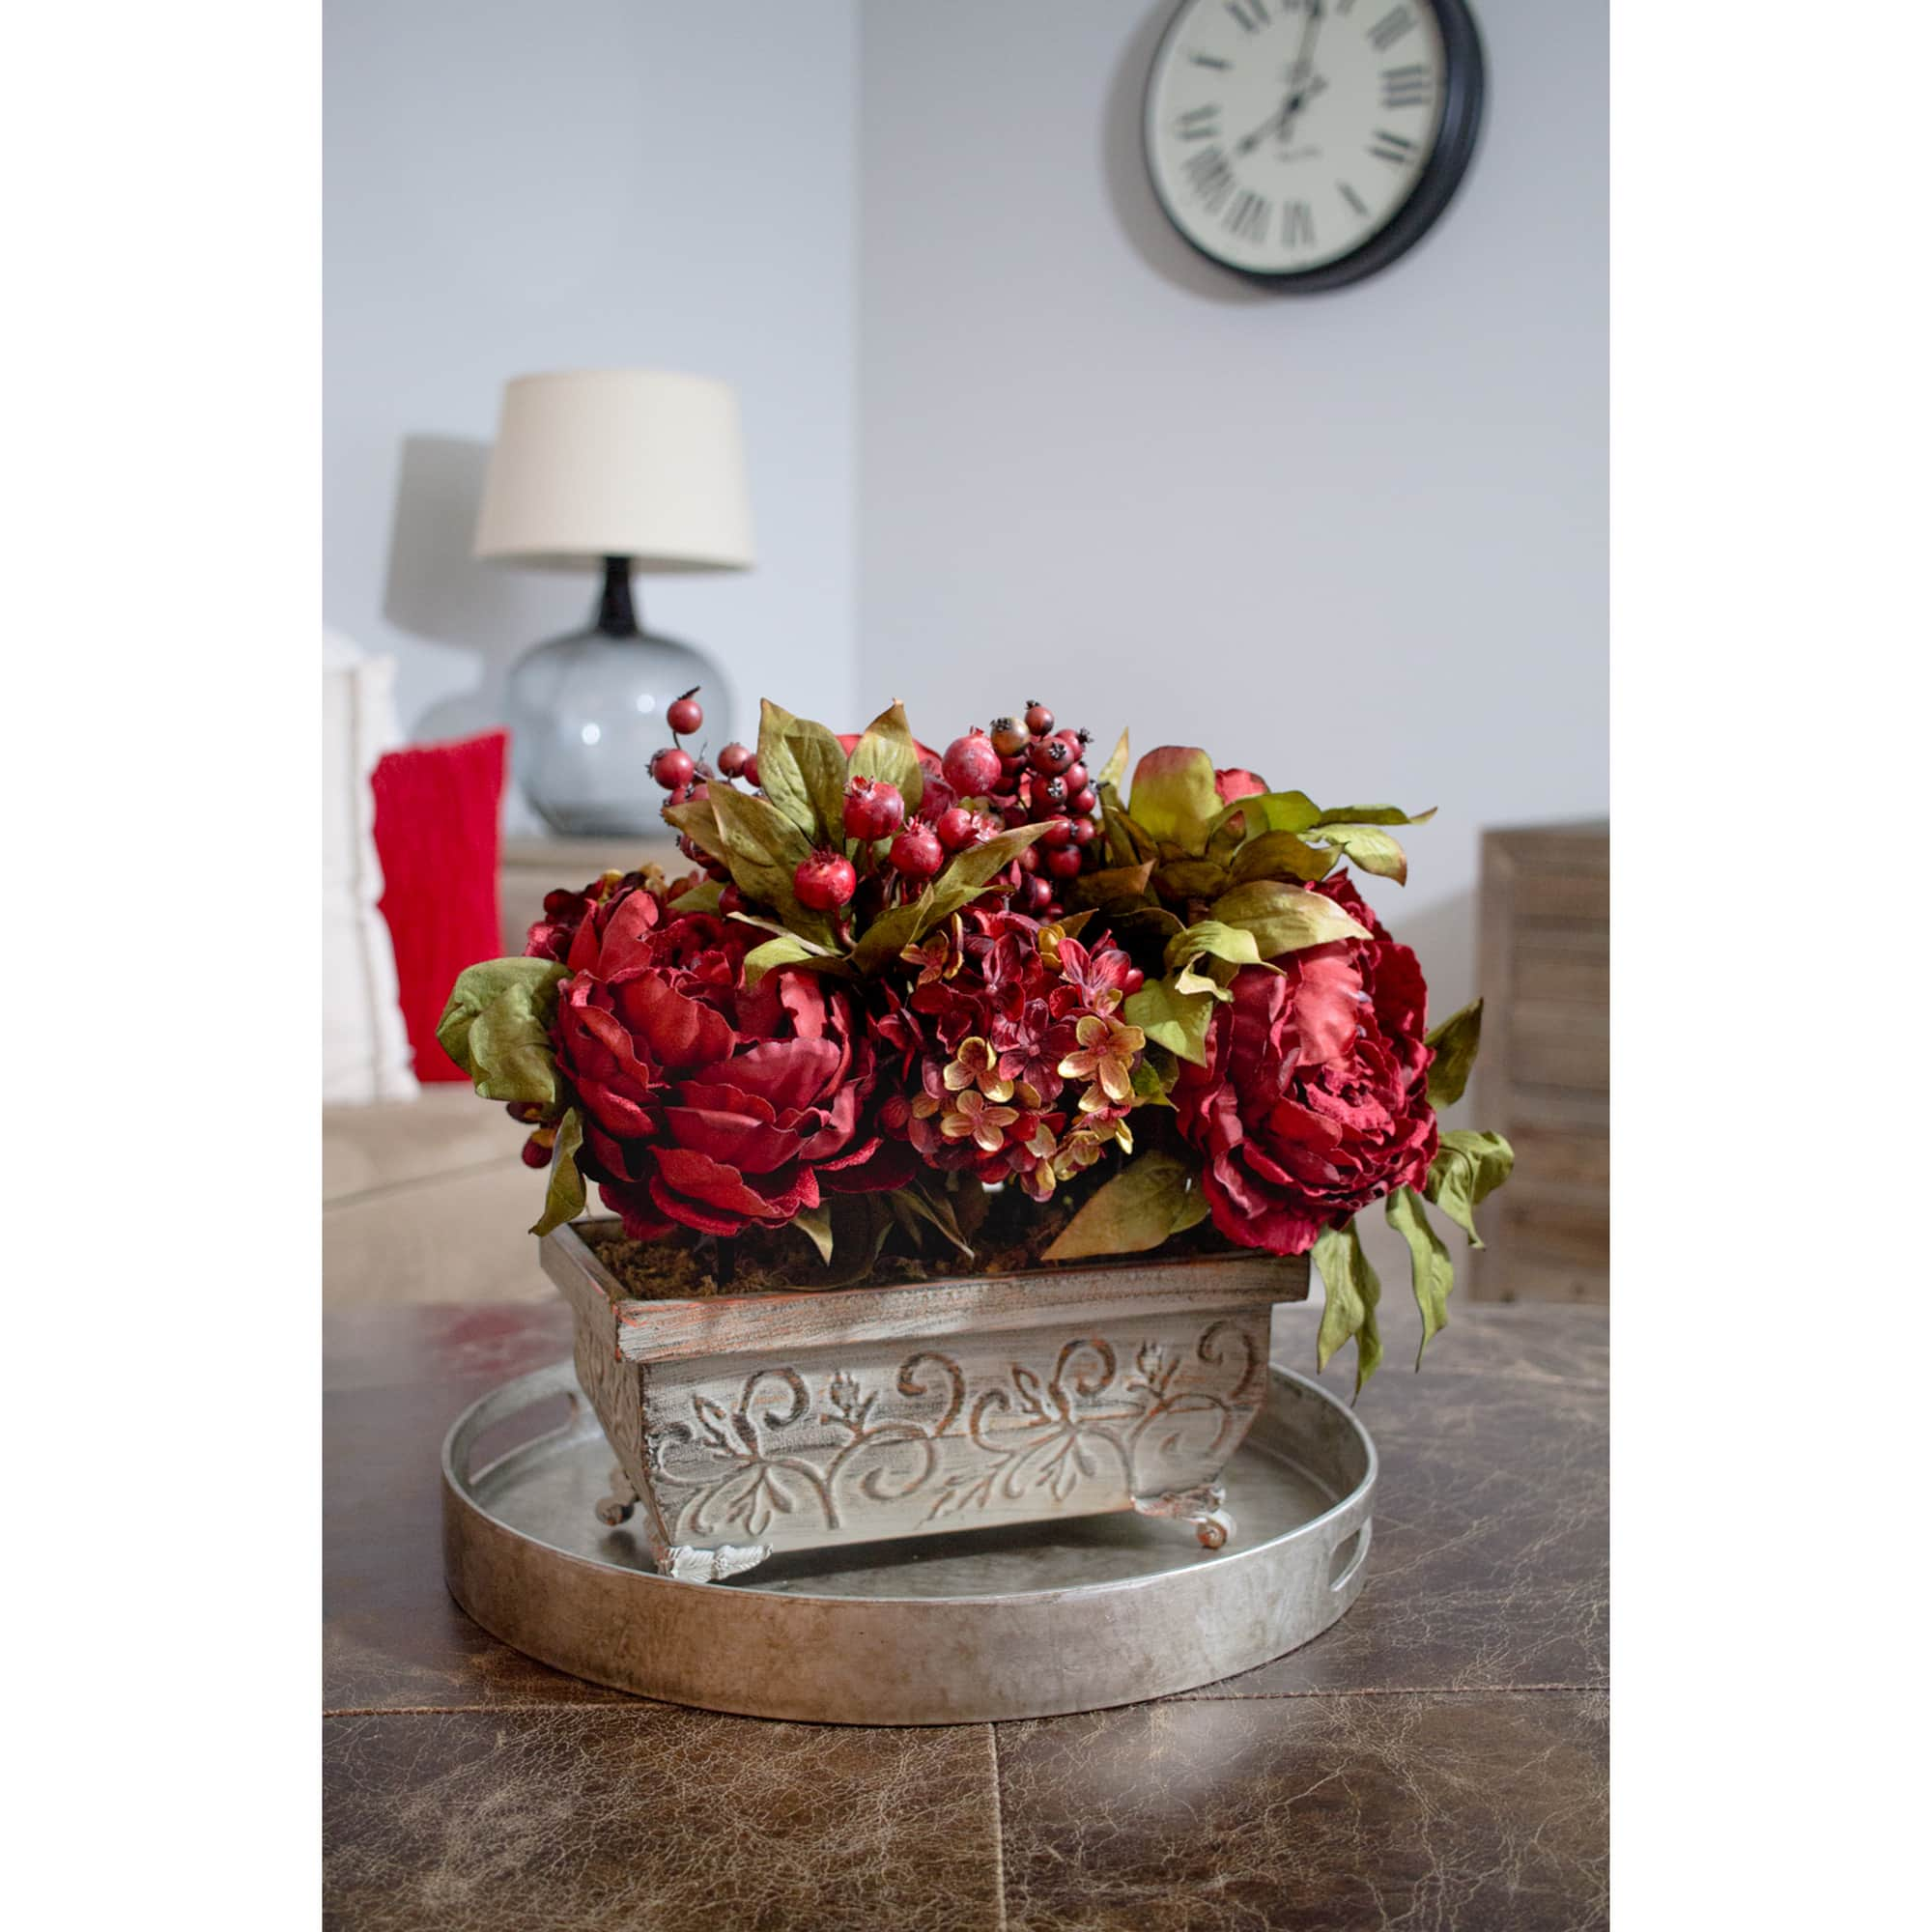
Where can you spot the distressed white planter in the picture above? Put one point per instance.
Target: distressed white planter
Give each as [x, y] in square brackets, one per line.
[750, 1424]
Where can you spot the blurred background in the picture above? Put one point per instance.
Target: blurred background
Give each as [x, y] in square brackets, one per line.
[1004, 435]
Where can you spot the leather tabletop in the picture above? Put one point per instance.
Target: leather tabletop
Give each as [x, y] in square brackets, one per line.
[1438, 1759]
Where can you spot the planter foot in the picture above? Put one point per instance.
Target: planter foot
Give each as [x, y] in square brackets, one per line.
[617, 1507]
[711, 1566]
[1201, 1507]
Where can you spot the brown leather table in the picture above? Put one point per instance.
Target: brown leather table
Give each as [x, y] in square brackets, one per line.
[1439, 1759]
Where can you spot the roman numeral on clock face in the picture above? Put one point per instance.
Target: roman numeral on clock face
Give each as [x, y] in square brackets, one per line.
[1213, 179]
[1211, 60]
[1252, 13]
[1406, 86]
[1199, 123]
[1297, 225]
[1390, 28]
[1392, 148]
[1248, 217]
[1353, 200]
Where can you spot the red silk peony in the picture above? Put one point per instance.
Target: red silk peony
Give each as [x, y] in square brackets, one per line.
[1314, 1101]
[553, 934]
[708, 1104]
[1234, 783]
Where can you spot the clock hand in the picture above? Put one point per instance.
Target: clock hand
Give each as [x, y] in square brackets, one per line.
[1282, 121]
[1305, 52]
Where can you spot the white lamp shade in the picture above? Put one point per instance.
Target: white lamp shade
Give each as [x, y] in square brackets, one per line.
[640, 463]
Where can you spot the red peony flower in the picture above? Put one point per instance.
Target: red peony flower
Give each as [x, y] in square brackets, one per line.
[1011, 1051]
[1233, 782]
[1314, 1101]
[564, 912]
[707, 1104]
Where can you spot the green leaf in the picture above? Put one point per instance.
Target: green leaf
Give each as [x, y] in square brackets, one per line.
[703, 897]
[1111, 886]
[1188, 980]
[1233, 943]
[697, 819]
[936, 1209]
[1350, 1293]
[1174, 796]
[1467, 1169]
[1223, 842]
[1190, 879]
[476, 986]
[758, 833]
[970, 876]
[1126, 840]
[1176, 1020]
[1149, 1084]
[1432, 1274]
[496, 1027]
[821, 763]
[1280, 855]
[1285, 917]
[1138, 1208]
[886, 751]
[764, 848]
[510, 1053]
[1454, 1043]
[889, 934]
[1369, 847]
[779, 776]
[1273, 811]
[786, 949]
[967, 878]
[816, 1222]
[1116, 767]
[974, 870]
[1372, 814]
[565, 1199]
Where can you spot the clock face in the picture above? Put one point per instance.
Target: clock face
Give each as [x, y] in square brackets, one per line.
[1288, 138]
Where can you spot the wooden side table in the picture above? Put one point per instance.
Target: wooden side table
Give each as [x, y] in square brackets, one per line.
[1544, 1078]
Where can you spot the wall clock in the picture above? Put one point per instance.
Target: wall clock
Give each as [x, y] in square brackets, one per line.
[1307, 143]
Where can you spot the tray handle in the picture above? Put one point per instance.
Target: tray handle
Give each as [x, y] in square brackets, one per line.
[522, 1411]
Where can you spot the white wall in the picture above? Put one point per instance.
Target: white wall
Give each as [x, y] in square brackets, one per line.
[514, 187]
[1357, 541]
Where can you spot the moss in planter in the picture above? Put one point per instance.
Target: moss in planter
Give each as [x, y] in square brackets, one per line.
[1012, 1237]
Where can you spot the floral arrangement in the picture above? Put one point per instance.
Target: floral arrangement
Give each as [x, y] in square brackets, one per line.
[898, 984]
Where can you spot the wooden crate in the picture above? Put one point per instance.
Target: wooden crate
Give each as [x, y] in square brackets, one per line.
[1543, 1077]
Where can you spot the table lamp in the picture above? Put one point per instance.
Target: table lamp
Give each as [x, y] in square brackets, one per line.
[630, 470]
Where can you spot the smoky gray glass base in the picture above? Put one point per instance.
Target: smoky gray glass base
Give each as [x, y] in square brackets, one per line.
[587, 713]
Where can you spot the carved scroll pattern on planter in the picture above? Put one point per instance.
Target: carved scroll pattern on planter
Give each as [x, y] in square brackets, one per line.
[1030, 1438]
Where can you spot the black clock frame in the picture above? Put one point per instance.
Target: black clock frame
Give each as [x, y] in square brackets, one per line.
[1463, 85]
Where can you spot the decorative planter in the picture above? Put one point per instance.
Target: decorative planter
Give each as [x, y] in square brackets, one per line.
[744, 1425]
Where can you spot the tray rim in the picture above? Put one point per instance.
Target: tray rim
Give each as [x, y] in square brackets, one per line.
[459, 1488]
[862, 1660]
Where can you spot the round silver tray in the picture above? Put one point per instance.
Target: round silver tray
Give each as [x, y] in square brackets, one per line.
[976, 1625]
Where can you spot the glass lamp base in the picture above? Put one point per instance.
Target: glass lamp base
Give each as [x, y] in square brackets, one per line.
[587, 714]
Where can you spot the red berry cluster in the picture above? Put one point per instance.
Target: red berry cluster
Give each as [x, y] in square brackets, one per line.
[1021, 772]
[687, 777]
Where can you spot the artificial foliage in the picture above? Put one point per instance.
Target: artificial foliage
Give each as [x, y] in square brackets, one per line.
[896, 980]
